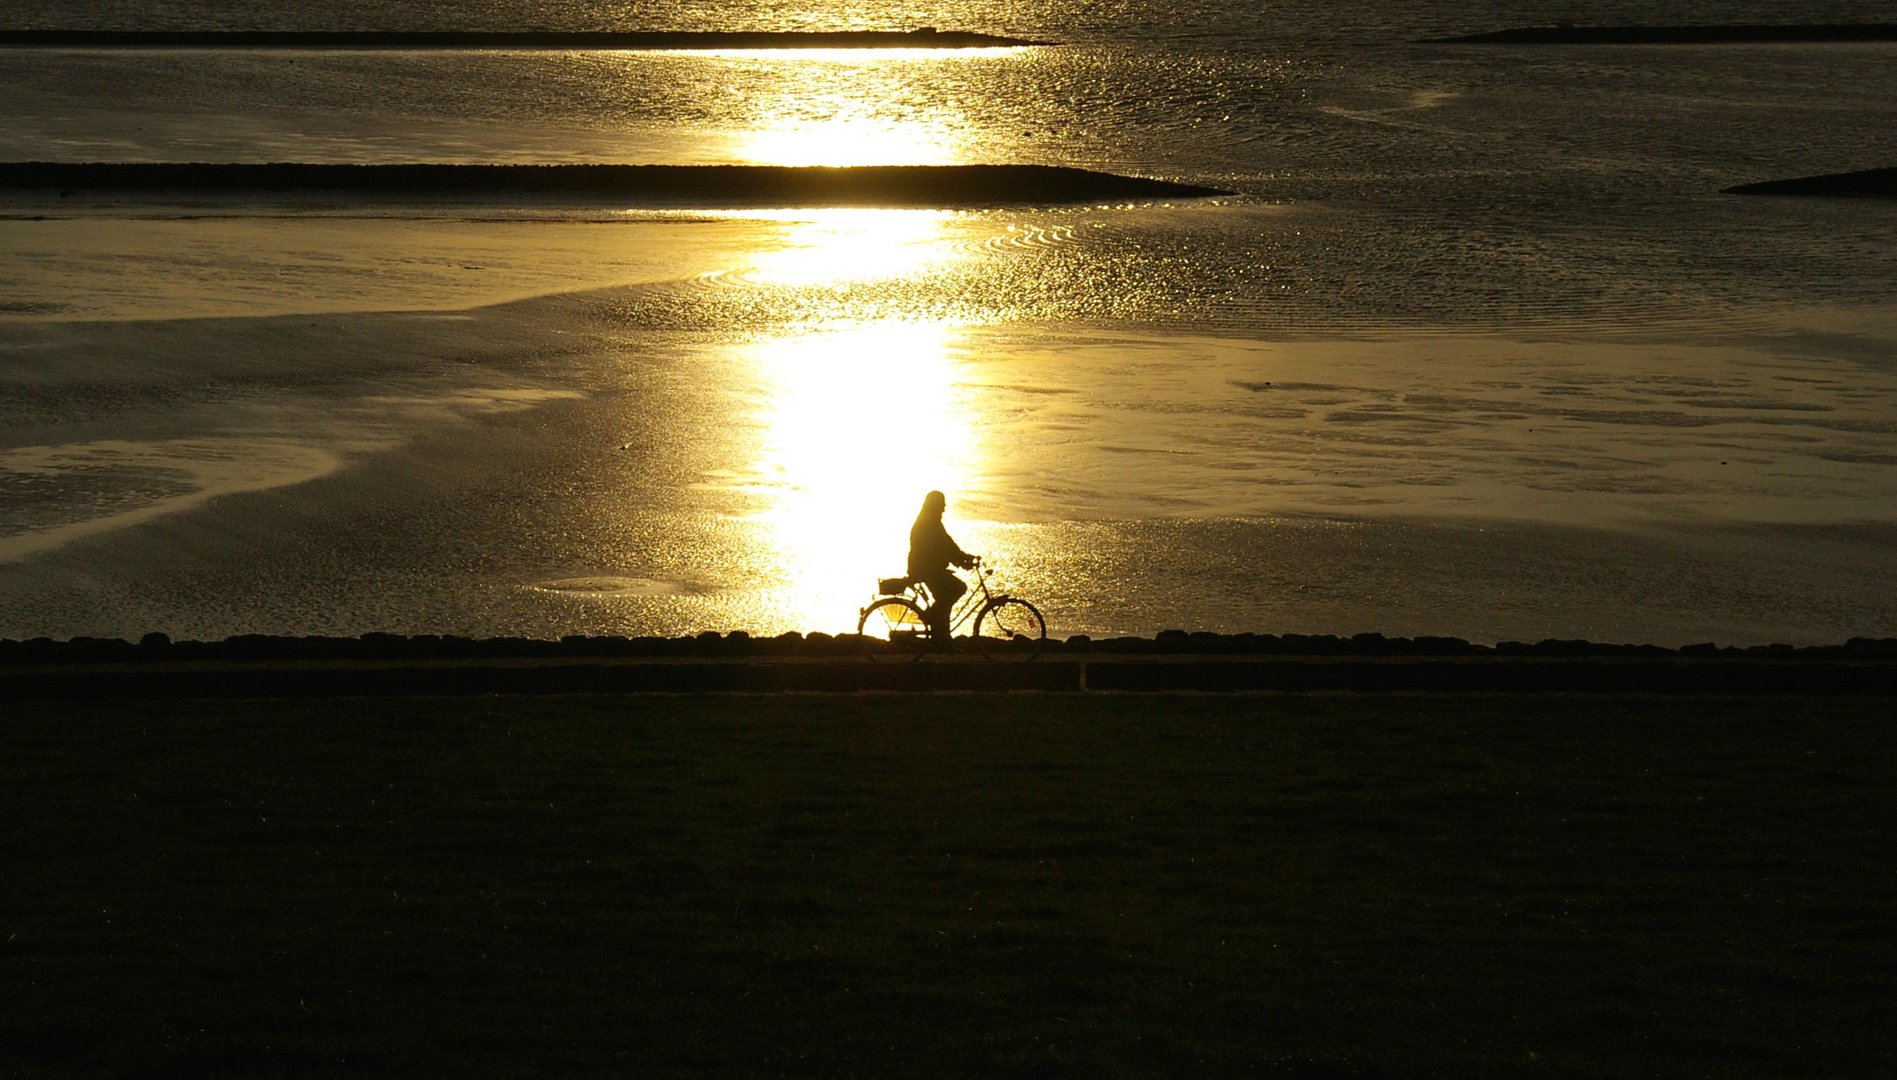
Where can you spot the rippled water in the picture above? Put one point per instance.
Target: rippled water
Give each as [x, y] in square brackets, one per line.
[1283, 20]
[1433, 183]
[1464, 303]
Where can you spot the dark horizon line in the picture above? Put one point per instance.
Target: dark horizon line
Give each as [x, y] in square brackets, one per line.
[689, 185]
[924, 38]
[1709, 34]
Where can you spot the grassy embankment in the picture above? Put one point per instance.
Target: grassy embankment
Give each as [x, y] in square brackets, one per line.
[949, 885]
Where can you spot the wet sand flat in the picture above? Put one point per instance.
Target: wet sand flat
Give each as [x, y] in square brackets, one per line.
[529, 410]
[949, 884]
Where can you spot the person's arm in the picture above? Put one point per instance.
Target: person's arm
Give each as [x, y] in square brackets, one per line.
[959, 557]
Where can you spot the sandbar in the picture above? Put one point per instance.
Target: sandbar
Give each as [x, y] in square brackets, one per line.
[693, 185]
[925, 38]
[1862, 184]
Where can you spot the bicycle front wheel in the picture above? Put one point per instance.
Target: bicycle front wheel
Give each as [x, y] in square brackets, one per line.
[893, 627]
[1011, 628]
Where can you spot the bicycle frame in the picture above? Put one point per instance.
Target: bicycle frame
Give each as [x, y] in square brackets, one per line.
[905, 605]
[966, 607]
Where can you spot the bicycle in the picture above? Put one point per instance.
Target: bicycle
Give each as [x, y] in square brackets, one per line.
[895, 622]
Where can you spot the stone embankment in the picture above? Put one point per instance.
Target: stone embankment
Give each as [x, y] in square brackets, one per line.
[390, 664]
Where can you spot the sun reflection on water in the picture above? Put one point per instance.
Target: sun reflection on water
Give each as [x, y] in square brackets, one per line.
[839, 130]
[852, 419]
[860, 57]
[837, 247]
[851, 140]
[858, 422]
[852, 107]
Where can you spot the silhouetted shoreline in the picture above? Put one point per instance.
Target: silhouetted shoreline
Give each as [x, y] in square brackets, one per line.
[380, 665]
[817, 645]
[692, 185]
[528, 39]
[1676, 35]
[1862, 184]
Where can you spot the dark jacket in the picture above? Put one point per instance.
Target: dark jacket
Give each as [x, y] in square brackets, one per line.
[931, 549]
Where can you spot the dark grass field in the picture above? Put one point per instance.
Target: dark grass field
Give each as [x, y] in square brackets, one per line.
[949, 885]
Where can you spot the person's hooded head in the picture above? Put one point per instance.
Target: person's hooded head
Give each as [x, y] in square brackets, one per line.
[933, 504]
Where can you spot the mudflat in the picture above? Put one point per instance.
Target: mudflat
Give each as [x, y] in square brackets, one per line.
[949, 885]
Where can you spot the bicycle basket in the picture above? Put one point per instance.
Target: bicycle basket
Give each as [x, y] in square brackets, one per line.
[893, 584]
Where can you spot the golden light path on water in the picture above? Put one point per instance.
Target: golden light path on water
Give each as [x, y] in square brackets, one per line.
[849, 143]
[844, 247]
[859, 422]
[857, 418]
[822, 116]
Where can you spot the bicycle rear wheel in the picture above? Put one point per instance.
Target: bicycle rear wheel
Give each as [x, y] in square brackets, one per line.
[893, 628]
[1010, 628]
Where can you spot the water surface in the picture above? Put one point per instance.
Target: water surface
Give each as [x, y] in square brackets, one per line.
[1478, 350]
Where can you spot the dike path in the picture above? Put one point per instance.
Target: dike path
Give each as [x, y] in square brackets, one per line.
[380, 665]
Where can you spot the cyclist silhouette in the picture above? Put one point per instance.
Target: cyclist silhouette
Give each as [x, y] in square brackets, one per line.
[931, 551]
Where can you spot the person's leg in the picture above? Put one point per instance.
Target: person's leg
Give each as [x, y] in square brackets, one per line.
[946, 589]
